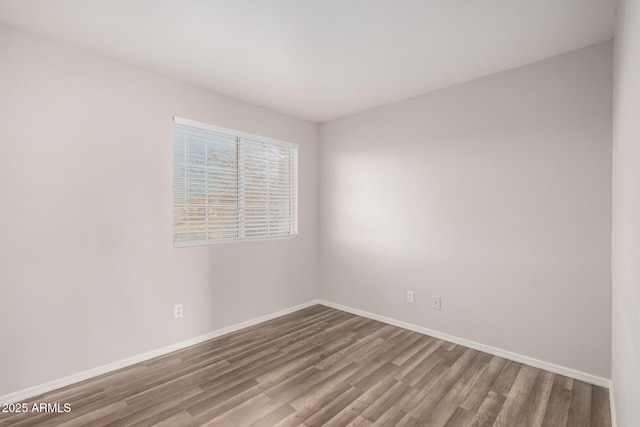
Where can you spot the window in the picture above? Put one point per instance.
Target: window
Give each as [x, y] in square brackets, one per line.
[231, 186]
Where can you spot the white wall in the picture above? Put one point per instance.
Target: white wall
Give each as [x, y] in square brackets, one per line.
[625, 341]
[88, 274]
[494, 194]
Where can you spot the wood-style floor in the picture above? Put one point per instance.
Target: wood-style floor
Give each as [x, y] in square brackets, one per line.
[324, 367]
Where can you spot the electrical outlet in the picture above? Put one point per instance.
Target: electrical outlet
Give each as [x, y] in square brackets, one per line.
[436, 302]
[177, 311]
[410, 297]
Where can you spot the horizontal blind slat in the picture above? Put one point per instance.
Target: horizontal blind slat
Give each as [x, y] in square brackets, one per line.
[231, 187]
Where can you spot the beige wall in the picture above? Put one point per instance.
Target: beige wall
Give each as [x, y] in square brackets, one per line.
[87, 270]
[626, 216]
[494, 194]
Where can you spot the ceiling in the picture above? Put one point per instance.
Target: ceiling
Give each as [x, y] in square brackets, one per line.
[319, 60]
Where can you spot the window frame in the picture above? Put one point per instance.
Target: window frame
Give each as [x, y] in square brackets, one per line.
[244, 135]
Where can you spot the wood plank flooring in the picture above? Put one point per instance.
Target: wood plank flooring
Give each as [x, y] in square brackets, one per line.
[325, 367]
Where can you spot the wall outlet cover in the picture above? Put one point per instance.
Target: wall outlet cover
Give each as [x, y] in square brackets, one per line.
[410, 297]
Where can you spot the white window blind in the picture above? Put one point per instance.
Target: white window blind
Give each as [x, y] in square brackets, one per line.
[231, 186]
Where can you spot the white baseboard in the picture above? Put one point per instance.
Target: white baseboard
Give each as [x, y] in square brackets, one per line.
[612, 404]
[556, 369]
[110, 367]
[113, 366]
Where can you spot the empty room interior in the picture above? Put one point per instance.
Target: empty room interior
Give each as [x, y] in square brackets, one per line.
[320, 213]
